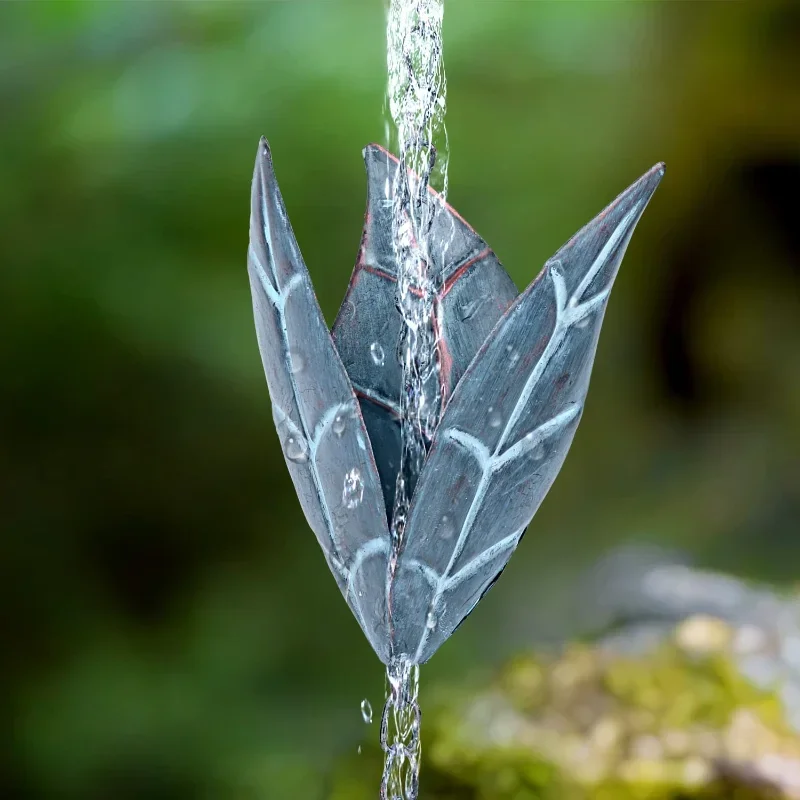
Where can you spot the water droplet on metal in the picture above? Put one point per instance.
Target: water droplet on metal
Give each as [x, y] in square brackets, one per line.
[339, 423]
[495, 417]
[366, 711]
[378, 356]
[513, 355]
[296, 449]
[353, 489]
[431, 621]
[296, 361]
[447, 529]
[466, 310]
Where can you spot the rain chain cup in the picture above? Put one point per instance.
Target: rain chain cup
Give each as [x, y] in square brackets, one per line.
[514, 373]
[423, 432]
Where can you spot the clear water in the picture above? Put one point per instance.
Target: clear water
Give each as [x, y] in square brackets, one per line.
[366, 711]
[416, 102]
[353, 488]
[400, 732]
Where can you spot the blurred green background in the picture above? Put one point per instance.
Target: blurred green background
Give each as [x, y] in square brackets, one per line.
[169, 629]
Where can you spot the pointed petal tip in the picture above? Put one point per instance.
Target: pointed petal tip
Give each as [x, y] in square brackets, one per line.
[656, 172]
[653, 175]
[264, 174]
[264, 156]
[648, 183]
[640, 191]
[652, 178]
[373, 149]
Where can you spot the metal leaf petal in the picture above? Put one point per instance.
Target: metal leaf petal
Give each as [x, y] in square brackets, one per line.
[316, 413]
[475, 292]
[506, 432]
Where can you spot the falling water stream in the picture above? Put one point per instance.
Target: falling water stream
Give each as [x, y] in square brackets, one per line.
[416, 93]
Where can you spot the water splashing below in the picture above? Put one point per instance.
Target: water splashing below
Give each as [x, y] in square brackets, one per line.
[400, 725]
[416, 95]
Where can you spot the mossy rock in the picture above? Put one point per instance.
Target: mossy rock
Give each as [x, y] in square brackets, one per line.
[591, 724]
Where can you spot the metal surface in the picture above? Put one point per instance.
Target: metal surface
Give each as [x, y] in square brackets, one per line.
[514, 373]
[476, 290]
[315, 409]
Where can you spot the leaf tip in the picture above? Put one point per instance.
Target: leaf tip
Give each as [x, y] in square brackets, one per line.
[265, 170]
[652, 178]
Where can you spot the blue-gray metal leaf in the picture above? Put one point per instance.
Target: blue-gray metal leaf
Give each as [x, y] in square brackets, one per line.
[506, 432]
[316, 413]
[474, 293]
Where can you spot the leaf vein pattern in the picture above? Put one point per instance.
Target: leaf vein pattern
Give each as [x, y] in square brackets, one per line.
[568, 312]
[278, 298]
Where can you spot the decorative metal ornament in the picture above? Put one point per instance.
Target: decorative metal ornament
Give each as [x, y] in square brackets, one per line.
[514, 372]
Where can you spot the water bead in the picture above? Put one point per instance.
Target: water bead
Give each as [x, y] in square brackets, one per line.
[297, 362]
[366, 711]
[378, 356]
[339, 423]
[296, 449]
[447, 529]
[353, 489]
[513, 355]
[466, 310]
